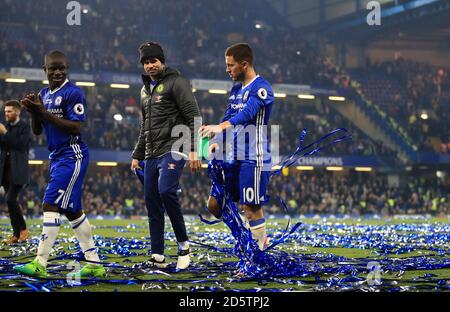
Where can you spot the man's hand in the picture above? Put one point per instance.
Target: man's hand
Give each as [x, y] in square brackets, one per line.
[209, 131]
[33, 104]
[201, 129]
[134, 165]
[3, 129]
[194, 163]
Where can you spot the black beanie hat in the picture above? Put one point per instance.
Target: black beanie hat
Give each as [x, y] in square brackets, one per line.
[151, 50]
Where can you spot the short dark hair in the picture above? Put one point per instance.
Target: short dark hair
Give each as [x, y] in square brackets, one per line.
[54, 53]
[240, 52]
[13, 103]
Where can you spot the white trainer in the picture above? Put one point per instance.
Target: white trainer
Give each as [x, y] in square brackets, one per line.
[157, 263]
[184, 259]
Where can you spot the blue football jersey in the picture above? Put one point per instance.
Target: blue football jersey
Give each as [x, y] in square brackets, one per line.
[249, 109]
[68, 102]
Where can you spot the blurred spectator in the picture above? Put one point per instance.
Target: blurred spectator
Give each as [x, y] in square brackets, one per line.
[115, 191]
[102, 131]
[415, 95]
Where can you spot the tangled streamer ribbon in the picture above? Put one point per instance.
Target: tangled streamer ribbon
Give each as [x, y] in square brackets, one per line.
[252, 261]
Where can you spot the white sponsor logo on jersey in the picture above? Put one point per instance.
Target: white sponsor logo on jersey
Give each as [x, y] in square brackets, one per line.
[58, 112]
[238, 106]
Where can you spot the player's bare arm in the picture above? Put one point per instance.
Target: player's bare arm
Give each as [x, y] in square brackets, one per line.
[211, 130]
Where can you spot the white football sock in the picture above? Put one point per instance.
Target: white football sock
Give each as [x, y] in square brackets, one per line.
[258, 228]
[50, 229]
[83, 232]
[245, 221]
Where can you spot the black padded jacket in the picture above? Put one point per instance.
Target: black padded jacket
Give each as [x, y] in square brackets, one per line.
[170, 103]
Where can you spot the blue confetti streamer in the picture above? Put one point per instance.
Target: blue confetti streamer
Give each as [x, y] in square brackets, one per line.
[253, 262]
[272, 265]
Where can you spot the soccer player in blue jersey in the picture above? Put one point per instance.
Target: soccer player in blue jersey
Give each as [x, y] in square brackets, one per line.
[60, 111]
[248, 112]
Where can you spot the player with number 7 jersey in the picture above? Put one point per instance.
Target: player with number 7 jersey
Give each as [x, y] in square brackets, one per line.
[60, 111]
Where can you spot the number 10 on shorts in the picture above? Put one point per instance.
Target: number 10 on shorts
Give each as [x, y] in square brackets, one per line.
[249, 194]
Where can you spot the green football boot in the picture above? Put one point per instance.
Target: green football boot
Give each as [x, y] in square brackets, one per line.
[34, 268]
[89, 270]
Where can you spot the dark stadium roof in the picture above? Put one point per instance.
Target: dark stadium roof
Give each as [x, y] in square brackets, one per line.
[417, 22]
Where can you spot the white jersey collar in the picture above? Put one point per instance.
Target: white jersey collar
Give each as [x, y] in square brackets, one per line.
[243, 87]
[60, 87]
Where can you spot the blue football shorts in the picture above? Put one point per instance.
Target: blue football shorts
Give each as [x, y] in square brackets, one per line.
[65, 185]
[245, 183]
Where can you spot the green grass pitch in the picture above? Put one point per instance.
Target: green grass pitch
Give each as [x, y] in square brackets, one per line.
[197, 278]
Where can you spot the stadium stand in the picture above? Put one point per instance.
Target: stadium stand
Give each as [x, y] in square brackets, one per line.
[403, 89]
